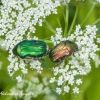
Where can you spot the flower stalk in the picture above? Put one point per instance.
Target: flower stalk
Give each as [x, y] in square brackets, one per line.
[88, 13]
[73, 22]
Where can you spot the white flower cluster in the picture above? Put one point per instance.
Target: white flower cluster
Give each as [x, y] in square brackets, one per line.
[18, 19]
[35, 64]
[98, 1]
[64, 1]
[2, 47]
[17, 64]
[28, 89]
[58, 36]
[97, 61]
[66, 75]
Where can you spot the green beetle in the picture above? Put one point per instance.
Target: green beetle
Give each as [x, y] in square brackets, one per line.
[30, 49]
[62, 51]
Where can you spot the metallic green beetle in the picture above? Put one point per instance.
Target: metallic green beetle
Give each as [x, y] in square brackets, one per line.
[62, 51]
[30, 49]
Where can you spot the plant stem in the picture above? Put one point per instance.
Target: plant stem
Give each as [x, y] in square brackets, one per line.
[49, 27]
[48, 41]
[96, 21]
[73, 20]
[66, 21]
[88, 14]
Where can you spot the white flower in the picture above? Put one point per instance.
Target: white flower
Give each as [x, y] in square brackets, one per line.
[56, 70]
[97, 61]
[78, 81]
[64, 1]
[75, 90]
[19, 78]
[24, 71]
[39, 69]
[52, 80]
[98, 40]
[59, 30]
[36, 65]
[57, 37]
[98, 1]
[66, 88]
[58, 90]
[71, 80]
[60, 81]
[16, 66]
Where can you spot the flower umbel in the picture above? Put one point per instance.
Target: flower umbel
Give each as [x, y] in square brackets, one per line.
[18, 20]
[31, 89]
[65, 73]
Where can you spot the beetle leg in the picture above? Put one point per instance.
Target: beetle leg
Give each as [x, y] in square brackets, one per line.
[42, 59]
[25, 62]
[35, 58]
[60, 61]
[49, 49]
[15, 56]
